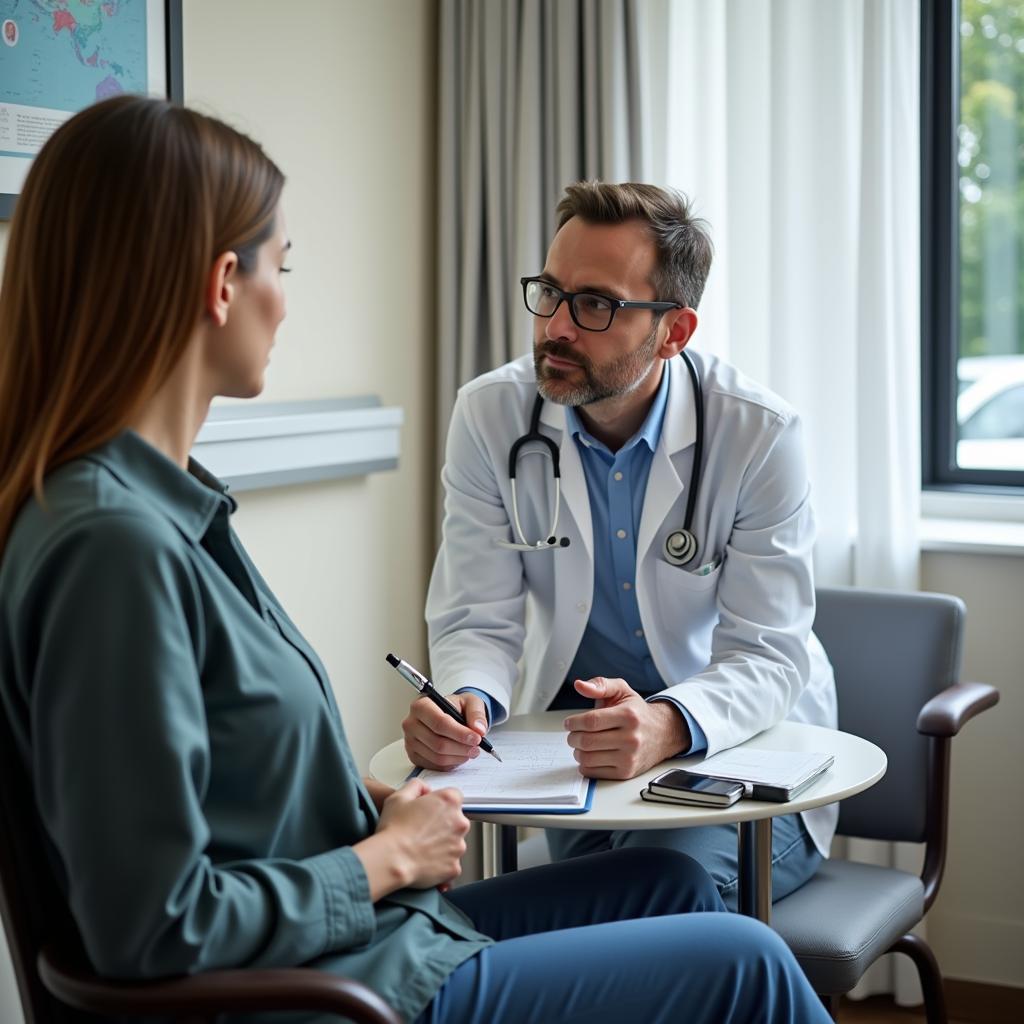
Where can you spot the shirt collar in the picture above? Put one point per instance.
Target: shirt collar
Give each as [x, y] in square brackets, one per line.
[189, 499]
[650, 429]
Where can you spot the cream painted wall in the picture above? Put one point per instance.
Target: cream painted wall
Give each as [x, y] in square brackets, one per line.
[976, 926]
[341, 95]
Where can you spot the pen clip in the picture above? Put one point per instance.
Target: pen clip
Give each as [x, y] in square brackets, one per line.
[407, 672]
[423, 680]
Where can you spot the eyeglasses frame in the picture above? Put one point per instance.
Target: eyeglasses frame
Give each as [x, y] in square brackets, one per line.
[570, 298]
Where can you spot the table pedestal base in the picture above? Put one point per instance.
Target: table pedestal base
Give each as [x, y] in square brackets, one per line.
[754, 898]
[499, 844]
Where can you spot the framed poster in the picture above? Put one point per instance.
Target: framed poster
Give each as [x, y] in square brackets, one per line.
[58, 56]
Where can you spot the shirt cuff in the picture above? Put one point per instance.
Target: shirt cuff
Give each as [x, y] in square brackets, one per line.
[699, 742]
[350, 918]
[485, 697]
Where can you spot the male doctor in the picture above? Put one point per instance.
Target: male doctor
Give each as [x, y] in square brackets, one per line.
[664, 631]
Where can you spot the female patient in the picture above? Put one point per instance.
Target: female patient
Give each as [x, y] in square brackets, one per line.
[187, 758]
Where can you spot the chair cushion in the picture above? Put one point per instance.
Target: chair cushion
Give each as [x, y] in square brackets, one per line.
[845, 917]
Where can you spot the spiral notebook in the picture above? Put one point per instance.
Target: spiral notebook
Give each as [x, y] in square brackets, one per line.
[537, 775]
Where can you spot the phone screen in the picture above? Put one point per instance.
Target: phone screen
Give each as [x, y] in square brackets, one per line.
[687, 783]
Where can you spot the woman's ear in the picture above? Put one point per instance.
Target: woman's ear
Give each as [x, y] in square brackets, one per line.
[220, 287]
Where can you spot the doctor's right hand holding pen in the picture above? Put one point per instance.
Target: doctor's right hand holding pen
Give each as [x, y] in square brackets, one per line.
[442, 732]
[435, 740]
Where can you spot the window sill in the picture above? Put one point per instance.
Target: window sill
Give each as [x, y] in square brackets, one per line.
[972, 536]
[972, 523]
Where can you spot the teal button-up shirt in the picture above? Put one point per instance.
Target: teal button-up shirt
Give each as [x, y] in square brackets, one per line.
[188, 760]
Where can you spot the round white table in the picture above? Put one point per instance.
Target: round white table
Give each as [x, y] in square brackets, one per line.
[617, 805]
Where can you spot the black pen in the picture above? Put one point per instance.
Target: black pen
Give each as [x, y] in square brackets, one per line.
[426, 687]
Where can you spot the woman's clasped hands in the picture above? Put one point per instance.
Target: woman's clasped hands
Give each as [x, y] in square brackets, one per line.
[419, 842]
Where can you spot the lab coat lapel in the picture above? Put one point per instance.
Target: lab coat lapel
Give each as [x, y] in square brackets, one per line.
[574, 483]
[678, 432]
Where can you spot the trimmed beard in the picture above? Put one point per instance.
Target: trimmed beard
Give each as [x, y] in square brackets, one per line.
[613, 380]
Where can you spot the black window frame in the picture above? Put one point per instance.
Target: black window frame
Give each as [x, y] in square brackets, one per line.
[940, 264]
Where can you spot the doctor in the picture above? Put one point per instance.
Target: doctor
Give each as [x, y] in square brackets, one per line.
[632, 523]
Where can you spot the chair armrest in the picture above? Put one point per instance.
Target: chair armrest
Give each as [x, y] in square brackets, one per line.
[947, 712]
[299, 988]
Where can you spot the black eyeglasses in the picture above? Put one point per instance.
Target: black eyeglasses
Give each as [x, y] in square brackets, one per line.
[589, 310]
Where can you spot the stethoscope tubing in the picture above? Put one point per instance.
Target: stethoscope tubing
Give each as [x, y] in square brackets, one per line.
[680, 546]
[698, 445]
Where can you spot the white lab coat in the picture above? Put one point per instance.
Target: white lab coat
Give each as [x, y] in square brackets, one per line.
[734, 646]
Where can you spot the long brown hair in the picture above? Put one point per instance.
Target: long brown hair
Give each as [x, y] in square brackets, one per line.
[123, 213]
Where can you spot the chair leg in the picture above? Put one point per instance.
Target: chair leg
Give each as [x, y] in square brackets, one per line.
[831, 1004]
[928, 971]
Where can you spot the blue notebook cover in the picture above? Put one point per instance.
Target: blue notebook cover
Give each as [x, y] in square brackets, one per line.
[526, 808]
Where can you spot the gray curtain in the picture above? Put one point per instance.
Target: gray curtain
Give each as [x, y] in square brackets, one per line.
[533, 95]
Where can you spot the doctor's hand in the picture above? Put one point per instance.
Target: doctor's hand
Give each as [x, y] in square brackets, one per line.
[435, 740]
[623, 735]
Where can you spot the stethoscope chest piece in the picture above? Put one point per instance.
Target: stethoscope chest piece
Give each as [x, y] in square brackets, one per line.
[680, 547]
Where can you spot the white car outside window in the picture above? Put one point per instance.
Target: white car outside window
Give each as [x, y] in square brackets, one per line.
[990, 414]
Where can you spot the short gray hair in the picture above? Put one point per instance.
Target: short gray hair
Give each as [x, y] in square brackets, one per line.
[682, 242]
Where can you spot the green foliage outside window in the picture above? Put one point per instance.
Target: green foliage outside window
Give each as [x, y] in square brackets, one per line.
[991, 187]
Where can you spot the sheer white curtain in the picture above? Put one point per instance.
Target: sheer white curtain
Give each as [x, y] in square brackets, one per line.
[793, 124]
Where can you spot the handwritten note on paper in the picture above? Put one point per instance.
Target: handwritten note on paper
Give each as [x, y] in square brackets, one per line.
[536, 769]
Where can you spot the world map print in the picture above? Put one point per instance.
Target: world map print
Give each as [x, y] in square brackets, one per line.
[63, 55]
[59, 56]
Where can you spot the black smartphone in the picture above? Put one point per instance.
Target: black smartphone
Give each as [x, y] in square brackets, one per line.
[679, 786]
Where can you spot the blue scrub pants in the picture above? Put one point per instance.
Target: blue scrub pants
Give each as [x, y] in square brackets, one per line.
[794, 855]
[612, 938]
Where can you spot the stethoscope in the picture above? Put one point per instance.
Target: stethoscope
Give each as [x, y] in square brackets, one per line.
[680, 545]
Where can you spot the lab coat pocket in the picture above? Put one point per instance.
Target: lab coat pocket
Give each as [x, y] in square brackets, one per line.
[688, 611]
[674, 580]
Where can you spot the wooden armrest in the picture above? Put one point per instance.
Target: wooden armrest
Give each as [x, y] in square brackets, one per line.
[296, 988]
[947, 712]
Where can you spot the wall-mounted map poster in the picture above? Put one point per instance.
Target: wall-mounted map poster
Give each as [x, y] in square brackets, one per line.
[58, 56]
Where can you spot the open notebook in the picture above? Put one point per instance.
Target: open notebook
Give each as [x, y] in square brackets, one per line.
[537, 774]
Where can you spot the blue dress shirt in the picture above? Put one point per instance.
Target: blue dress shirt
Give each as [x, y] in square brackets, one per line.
[614, 644]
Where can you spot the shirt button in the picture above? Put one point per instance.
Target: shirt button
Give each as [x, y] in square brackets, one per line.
[562, 666]
[638, 633]
[627, 586]
[582, 606]
[618, 476]
[621, 534]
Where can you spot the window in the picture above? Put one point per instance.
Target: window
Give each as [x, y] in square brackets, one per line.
[972, 163]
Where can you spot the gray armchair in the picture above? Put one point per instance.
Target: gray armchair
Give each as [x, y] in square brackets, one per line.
[897, 664]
